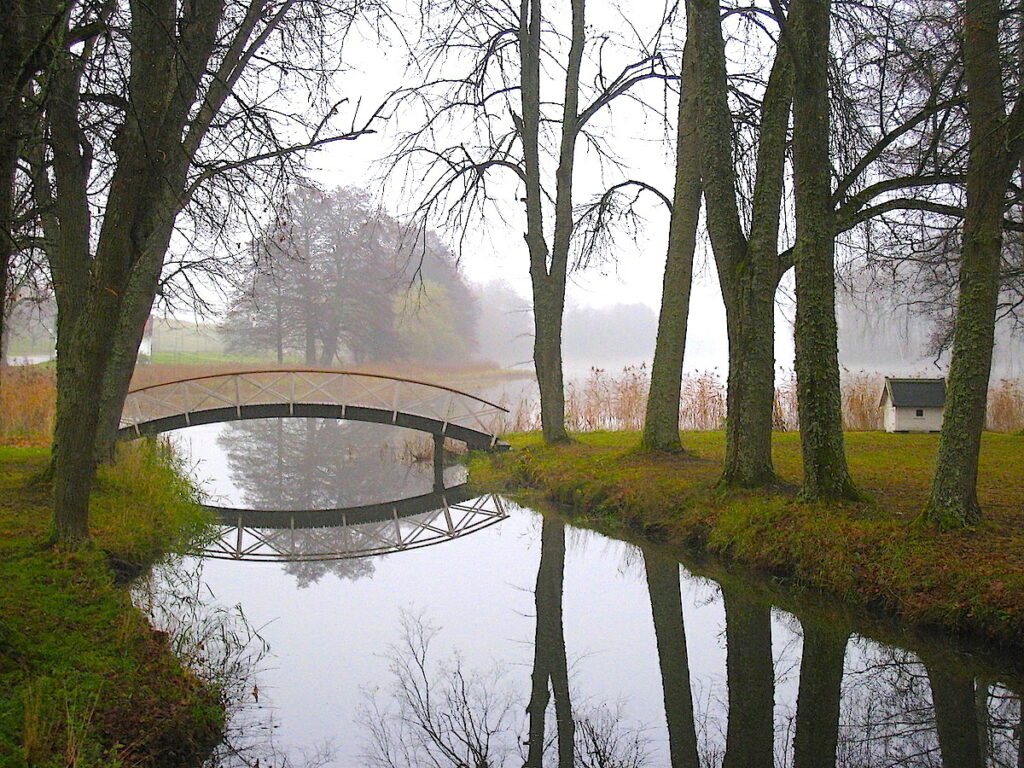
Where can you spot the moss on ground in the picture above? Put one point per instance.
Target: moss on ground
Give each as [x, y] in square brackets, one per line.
[873, 553]
[84, 680]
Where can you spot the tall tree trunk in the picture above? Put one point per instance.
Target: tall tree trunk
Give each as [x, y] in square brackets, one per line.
[8, 167]
[549, 267]
[817, 704]
[750, 394]
[548, 306]
[817, 352]
[748, 268]
[104, 299]
[993, 151]
[549, 659]
[670, 635]
[661, 420]
[750, 673]
[123, 351]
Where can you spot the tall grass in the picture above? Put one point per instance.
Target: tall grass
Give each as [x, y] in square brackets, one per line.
[861, 392]
[1006, 406]
[616, 401]
[28, 397]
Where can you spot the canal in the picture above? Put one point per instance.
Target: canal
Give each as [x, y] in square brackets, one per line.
[523, 637]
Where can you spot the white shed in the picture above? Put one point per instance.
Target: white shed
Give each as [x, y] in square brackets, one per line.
[913, 405]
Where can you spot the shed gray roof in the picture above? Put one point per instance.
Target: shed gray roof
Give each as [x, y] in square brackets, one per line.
[916, 393]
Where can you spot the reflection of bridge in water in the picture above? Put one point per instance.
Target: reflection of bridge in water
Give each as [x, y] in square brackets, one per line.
[438, 410]
[352, 532]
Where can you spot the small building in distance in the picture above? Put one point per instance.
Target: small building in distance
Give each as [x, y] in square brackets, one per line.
[913, 405]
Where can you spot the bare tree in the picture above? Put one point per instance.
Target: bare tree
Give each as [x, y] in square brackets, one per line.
[29, 29]
[749, 264]
[487, 65]
[132, 115]
[807, 36]
[995, 149]
[661, 420]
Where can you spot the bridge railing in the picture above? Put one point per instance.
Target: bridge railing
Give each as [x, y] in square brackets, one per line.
[258, 536]
[248, 390]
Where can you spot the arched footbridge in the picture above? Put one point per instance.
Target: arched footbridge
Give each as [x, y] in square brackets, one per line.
[260, 394]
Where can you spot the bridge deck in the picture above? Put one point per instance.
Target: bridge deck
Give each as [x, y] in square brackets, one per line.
[258, 394]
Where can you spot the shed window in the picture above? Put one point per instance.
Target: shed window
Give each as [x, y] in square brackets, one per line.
[919, 413]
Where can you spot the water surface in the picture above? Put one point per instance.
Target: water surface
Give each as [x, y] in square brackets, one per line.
[526, 637]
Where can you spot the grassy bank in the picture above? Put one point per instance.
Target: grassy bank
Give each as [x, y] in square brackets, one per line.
[873, 554]
[84, 681]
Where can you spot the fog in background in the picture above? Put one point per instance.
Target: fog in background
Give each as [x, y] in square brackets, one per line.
[471, 303]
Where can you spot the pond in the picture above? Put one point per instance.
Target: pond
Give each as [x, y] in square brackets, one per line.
[519, 639]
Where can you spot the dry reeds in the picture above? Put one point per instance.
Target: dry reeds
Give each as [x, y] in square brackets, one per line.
[861, 392]
[28, 402]
[785, 409]
[1006, 406]
[702, 402]
[609, 401]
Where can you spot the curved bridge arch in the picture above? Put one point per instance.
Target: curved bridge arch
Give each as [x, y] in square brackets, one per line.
[258, 394]
[351, 532]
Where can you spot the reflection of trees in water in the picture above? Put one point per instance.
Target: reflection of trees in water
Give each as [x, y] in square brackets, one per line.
[549, 659]
[750, 676]
[670, 636]
[303, 463]
[444, 715]
[817, 705]
[901, 710]
[863, 705]
[441, 713]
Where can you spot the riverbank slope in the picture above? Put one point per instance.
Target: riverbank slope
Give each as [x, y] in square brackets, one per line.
[84, 680]
[873, 553]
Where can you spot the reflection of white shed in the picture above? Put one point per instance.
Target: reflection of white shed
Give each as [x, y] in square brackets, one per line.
[913, 405]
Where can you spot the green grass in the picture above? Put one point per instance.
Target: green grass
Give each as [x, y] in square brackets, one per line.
[84, 680]
[873, 553]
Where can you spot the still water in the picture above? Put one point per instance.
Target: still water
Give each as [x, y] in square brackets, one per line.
[523, 639]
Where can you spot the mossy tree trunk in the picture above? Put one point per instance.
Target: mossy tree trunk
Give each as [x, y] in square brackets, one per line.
[549, 266]
[670, 635]
[749, 266]
[817, 705]
[826, 475]
[995, 146]
[104, 293]
[661, 420]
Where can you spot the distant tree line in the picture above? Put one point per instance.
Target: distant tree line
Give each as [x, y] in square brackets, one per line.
[336, 279]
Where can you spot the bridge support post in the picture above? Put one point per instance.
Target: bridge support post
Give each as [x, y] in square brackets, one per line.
[438, 463]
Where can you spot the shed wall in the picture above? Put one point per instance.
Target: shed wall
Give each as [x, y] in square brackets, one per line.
[907, 420]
